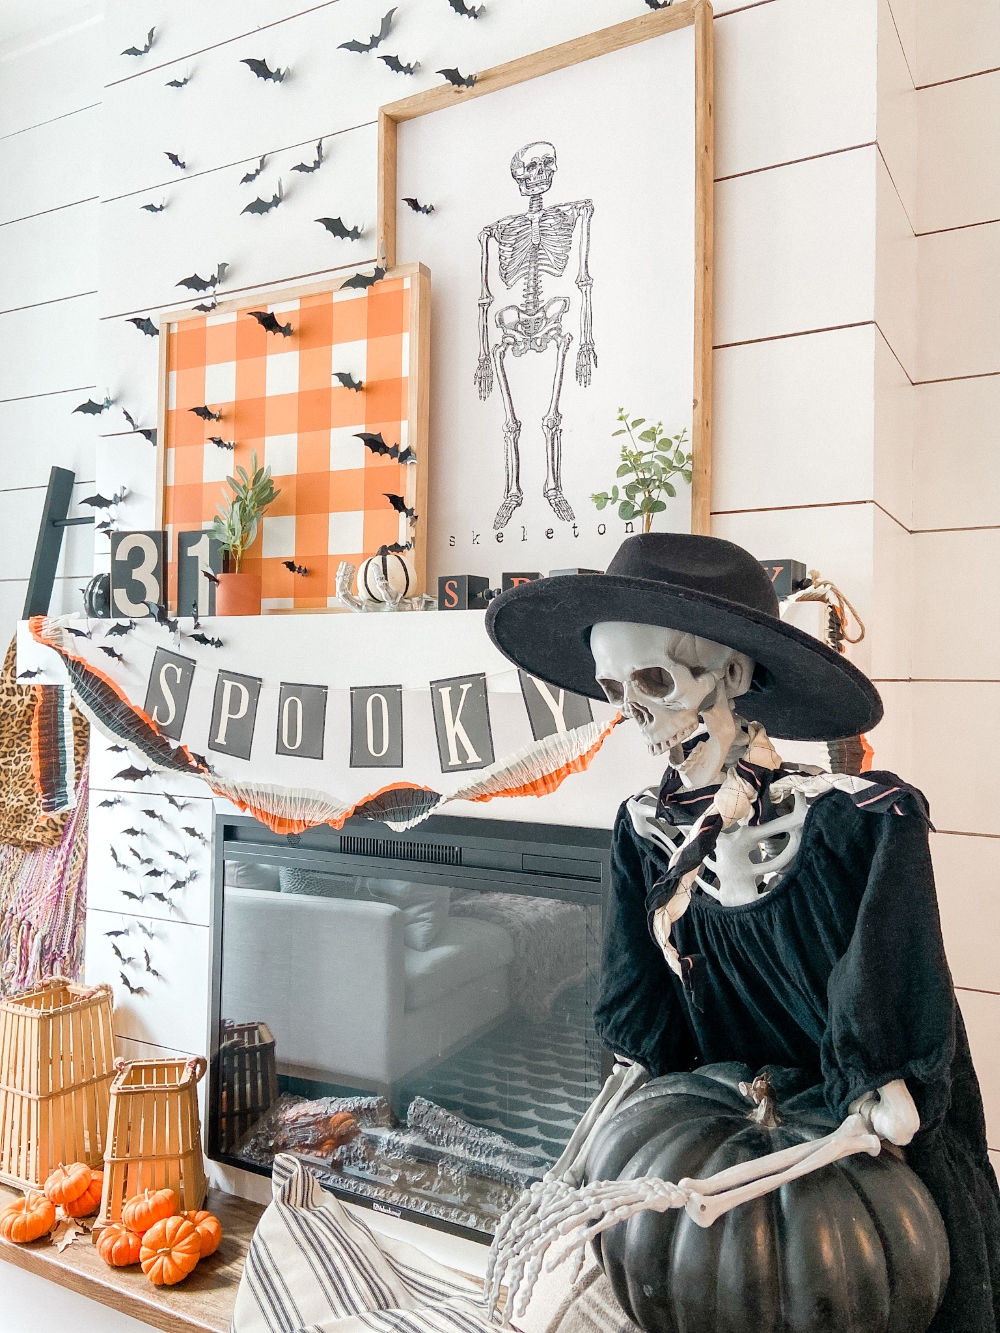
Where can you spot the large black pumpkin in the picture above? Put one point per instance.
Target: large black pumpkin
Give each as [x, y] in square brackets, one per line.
[856, 1247]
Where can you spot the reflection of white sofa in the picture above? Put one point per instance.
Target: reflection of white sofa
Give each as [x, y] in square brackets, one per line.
[346, 1001]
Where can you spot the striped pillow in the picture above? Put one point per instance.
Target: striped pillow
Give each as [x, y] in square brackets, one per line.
[311, 1264]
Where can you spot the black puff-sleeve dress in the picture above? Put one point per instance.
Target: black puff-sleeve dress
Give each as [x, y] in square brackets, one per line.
[839, 970]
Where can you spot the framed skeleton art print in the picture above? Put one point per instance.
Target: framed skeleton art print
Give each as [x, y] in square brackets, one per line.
[563, 204]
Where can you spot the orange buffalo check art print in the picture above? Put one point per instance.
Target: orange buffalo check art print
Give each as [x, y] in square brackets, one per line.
[278, 394]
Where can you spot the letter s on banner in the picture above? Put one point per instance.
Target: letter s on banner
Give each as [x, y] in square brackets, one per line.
[234, 714]
[168, 692]
[377, 726]
[462, 723]
[301, 721]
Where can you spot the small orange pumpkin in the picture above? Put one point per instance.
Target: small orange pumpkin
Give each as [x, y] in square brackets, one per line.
[118, 1246]
[67, 1183]
[89, 1201]
[209, 1228]
[143, 1210]
[170, 1251]
[28, 1218]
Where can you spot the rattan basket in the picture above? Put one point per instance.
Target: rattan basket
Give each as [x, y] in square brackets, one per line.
[248, 1079]
[154, 1134]
[57, 1052]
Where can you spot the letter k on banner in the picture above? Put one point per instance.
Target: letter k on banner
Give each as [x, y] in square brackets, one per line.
[462, 723]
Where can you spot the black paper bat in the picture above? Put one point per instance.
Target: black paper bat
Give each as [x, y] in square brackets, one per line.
[117, 630]
[416, 206]
[159, 614]
[177, 856]
[200, 759]
[206, 413]
[133, 990]
[110, 652]
[362, 280]
[120, 864]
[145, 325]
[99, 501]
[30, 675]
[194, 833]
[181, 883]
[155, 873]
[375, 40]
[178, 83]
[348, 380]
[397, 66]
[149, 966]
[252, 175]
[92, 409]
[196, 283]
[457, 79]
[467, 11]
[337, 227]
[133, 774]
[160, 898]
[152, 208]
[155, 816]
[117, 749]
[147, 432]
[269, 321]
[377, 445]
[212, 578]
[399, 504]
[104, 526]
[78, 633]
[207, 309]
[109, 803]
[119, 955]
[145, 930]
[397, 548]
[265, 205]
[293, 568]
[263, 70]
[141, 50]
[172, 157]
[207, 640]
[172, 800]
[307, 167]
[220, 443]
[143, 860]
[113, 934]
[659, 4]
[136, 897]
[134, 832]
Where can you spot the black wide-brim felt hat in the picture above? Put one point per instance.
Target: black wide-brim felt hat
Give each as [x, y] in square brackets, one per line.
[801, 690]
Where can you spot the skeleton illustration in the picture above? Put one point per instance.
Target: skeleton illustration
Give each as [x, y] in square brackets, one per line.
[680, 690]
[529, 245]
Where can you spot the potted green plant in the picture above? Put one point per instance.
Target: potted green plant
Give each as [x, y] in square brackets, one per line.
[235, 527]
[650, 469]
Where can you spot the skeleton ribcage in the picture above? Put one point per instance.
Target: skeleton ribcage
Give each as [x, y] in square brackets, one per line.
[519, 253]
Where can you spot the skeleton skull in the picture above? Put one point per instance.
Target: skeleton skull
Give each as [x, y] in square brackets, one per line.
[533, 167]
[678, 688]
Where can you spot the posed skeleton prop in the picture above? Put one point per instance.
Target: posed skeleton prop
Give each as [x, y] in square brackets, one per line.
[722, 837]
[529, 245]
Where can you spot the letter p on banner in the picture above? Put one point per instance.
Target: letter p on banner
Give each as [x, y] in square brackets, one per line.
[462, 723]
[234, 712]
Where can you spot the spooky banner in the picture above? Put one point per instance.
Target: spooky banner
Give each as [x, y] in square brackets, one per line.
[275, 723]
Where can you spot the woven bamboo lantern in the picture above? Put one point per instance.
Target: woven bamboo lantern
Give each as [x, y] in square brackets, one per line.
[154, 1134]
[57, 1051]
[248, 1079]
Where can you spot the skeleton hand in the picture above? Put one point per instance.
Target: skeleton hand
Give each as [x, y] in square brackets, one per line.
[586, 356]
[484, 377]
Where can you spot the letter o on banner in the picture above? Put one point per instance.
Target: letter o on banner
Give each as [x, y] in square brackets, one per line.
[377, 726]
[301, 721]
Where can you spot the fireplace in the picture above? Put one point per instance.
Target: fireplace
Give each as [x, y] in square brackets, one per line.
[411, 1013]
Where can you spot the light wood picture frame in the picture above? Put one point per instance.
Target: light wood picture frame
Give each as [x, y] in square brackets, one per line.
[303, 423]
[694, 14]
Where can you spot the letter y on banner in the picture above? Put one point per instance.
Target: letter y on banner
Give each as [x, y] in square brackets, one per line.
[462, 723]
[168, 691]
[234, 713]
[550, 709]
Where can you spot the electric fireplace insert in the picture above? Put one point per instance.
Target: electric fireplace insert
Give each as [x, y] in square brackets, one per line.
[412, 1014]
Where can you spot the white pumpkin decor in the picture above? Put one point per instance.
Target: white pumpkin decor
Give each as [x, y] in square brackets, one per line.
[395, 568]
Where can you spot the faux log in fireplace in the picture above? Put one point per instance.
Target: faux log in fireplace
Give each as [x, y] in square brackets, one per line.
[411, 1013]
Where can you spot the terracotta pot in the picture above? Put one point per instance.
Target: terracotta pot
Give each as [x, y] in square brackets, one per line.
[238, 595]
